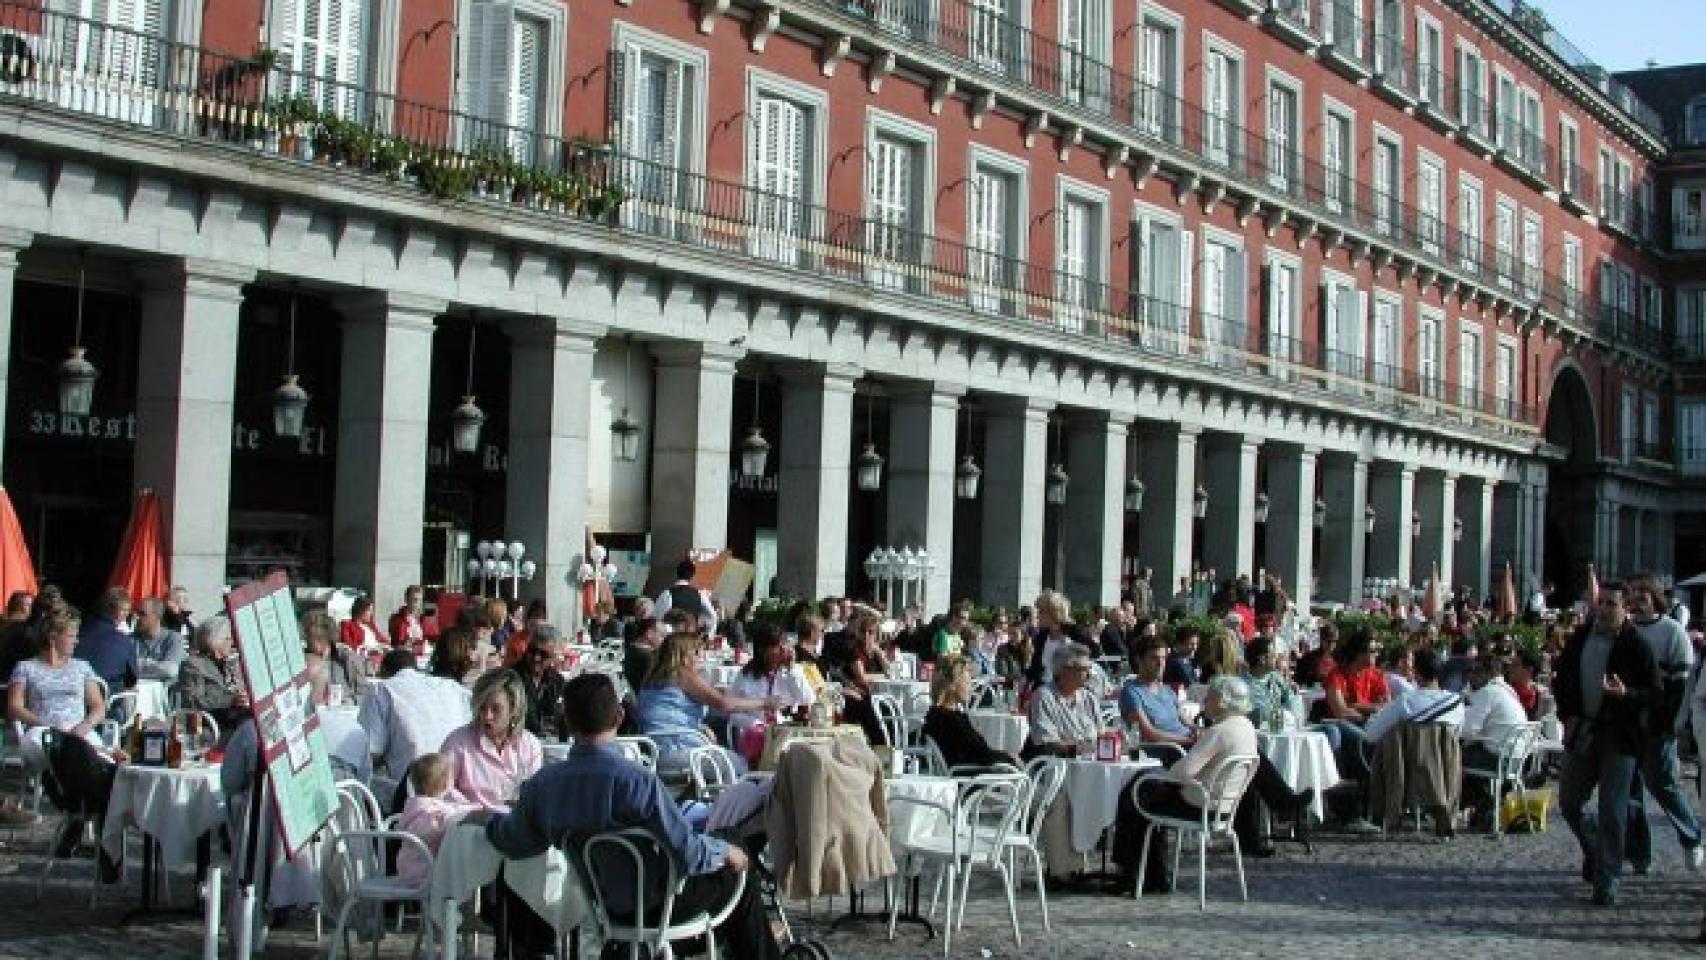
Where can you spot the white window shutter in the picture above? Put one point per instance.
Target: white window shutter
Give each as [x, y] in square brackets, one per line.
[1187, 263]
[491, 46]
[1355, 327]
[1237, 294]
[1329, 317]
[286, 31]
[527, 39]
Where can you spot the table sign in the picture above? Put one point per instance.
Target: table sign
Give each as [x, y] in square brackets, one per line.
[293, 751]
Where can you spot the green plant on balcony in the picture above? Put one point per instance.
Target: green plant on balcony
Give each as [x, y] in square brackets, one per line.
[389, 157]
[602, 203]
[264, 59]
[1531, 19]
[294, 118]
[445, 177]
[490, 166]
[342, 141]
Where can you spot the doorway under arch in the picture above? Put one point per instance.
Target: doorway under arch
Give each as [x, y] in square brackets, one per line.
[1571, 485]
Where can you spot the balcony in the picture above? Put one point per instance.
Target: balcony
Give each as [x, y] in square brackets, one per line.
[1688, 231]
[1245, 8]
[1474, 121]
[1522, 151]
[1294, 22]
[1395, 73]
[1523, 15]
[1346, 45]
[1431, 103]
[232, 104]
[1691, 459]
[1575, 188]
[1622, 329]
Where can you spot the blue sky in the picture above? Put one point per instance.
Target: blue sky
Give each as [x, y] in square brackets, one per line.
[1624, 34]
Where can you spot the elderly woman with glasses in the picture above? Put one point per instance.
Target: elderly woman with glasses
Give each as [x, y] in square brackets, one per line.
[1065, 721]
[1182, 791]
[492, 754]
[540, 682]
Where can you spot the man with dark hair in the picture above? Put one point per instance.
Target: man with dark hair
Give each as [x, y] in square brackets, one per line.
[684, 596]
[553, 806]
[1608, 687]
[1181, 671]
[1356, 690]
[105, 643]
[1660, 770]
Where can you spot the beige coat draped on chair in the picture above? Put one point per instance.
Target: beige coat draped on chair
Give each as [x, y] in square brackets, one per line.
[1418, 765]
[828, 818]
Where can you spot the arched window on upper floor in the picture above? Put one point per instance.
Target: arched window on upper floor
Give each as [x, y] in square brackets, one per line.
[1694, 121]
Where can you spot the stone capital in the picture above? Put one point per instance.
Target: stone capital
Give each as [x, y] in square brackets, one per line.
[391, 308]
[208, 279]
[716, 356]
[563, 333]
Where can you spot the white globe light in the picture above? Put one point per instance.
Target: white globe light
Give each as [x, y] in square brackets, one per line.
[599, 553]
[516, 549]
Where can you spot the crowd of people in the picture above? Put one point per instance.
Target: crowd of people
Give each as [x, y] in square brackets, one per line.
[456, 713]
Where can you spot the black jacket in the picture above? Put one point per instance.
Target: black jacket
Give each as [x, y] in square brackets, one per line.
[1625, 723]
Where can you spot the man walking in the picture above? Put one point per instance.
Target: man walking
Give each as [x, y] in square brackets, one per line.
[1660, 766]
[1607, 687]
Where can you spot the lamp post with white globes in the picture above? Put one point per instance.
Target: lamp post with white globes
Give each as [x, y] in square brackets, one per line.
[496, 561]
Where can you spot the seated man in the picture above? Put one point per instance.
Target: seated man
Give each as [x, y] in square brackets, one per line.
[1149, 706]
[408, 713]
[1494, 711]
[1427, 704]
[559, 801]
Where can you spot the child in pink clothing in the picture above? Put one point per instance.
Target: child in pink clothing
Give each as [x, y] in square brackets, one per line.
[433, 809]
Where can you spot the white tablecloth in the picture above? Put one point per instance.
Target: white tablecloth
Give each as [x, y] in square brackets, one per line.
[467, 861]
[1305, 759]
[909, 823]
[1093, 789]
[1002, 731]
[175, 807]
[555, 751]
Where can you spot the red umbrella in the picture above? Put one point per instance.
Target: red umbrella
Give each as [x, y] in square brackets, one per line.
[141, 565]
[16, 570]
[1507, 594]
[1430, 595]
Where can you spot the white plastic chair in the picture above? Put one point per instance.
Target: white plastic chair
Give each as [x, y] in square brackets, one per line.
[354, 871]
[651, 925]
[985, 812]
[26, 756]
[1047, 775]
[127, 700]
[1223, 791]
[712, 771]
[641, 750]
[892, 717]
[1508, 767]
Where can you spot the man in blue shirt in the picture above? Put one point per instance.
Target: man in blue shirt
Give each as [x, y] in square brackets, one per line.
[598, 789]
[1151, 707]
[106, 646]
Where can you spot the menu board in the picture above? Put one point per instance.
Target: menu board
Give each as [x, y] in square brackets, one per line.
[263, 621]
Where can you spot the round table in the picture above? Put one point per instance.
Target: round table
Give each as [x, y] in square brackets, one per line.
[1003, 731]
[176, 807]
[1304, 758]
[467, 861]
[1092, 789]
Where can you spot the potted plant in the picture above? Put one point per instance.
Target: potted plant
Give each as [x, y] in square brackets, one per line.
[445, 177]
[602, 203]
[389, 156]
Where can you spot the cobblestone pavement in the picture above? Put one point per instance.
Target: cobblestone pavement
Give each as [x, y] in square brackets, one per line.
[1400, 898]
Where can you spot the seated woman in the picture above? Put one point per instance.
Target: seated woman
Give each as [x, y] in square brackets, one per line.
[1180, 791]
[360, 630]
[208, 680]
[331, 664]
[1065, 720]
[1270, 690]
[770, 673]
[865, 665]
[492, 754]
[673, 699]
[455, 657]
[946, 723]
[541, 683]
[1013, 655]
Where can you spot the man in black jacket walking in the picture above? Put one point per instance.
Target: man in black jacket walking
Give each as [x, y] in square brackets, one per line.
[1608, 688]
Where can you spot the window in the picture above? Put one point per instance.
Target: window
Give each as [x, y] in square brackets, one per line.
[1383, 340]
[1469, 215]
[1691, 321]
[994, 212]
[1625, 301]
[1387, 181]
[1080, 254]
[1645, 213]
[1469, 368]
[1504, 379]
[1623, 213]
[1691, 436]
[1532, 257]
[1430, 354]
[1282, 136]
[1222, 95]
[1652, 306]
[1569, 156]
[1388, 34]
[1608, 294]
[1628, 425]
[1282, 309]
[1342, 25]
[506, 78]
[1164, 282]
[1222, 296]
[993, 38]
[1650, 415]
[1158, 89]
[1572, 274]
[1430, 200]
[1504, 242]
[1689, 204]
[1605, 198]
[1430, 57]
[1342, 312]
[1694, 122]
[1337, 136]
[1505, 102]
[782, 166]
[659, 139]
[319, 43]
[1471, 90]
[1084, 35]
[1531, 146]
[896, 183]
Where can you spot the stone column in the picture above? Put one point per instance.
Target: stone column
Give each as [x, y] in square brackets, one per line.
[12, 243]
[1291, 520]
[814, 482]
[384, 391]
[1168, 469]
[1094, 524]
[1344, 538]
[187, 363]
[1392, 489]
[1436, 501]
[691, 431]
[1474, 553]
[1534, 528]
[923, 425]
[1015, 455]
[549, 430]
[1229, 530]
[1509, 511]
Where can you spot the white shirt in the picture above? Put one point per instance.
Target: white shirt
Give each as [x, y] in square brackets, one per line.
[790, 686]
[1398, 684]
[1494, 711]
[707, 617]
[1423, 704]
[411, 714]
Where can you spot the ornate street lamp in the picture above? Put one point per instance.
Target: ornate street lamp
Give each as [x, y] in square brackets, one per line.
[1368, 515]
[1456, 529]
[1415, 523]
[870, 469]
[966, 477]
[77, 375]
[1262, 506]
[625, 430]
[467, 418]
[1320, 512]
[1134, 495]
[1199, 502]
[754, 449]
[1055, 492]
[289, 400]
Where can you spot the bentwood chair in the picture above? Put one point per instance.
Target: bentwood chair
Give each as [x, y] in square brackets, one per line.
[642, 915]
[1222, 792]
[1508, 768]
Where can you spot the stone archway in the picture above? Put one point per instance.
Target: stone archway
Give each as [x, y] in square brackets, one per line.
[1572, 439]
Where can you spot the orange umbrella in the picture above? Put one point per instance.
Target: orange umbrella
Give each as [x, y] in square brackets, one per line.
[1507, 593]
[1593, 586]
[141, 565]
[16, 570]
[1430, 596]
